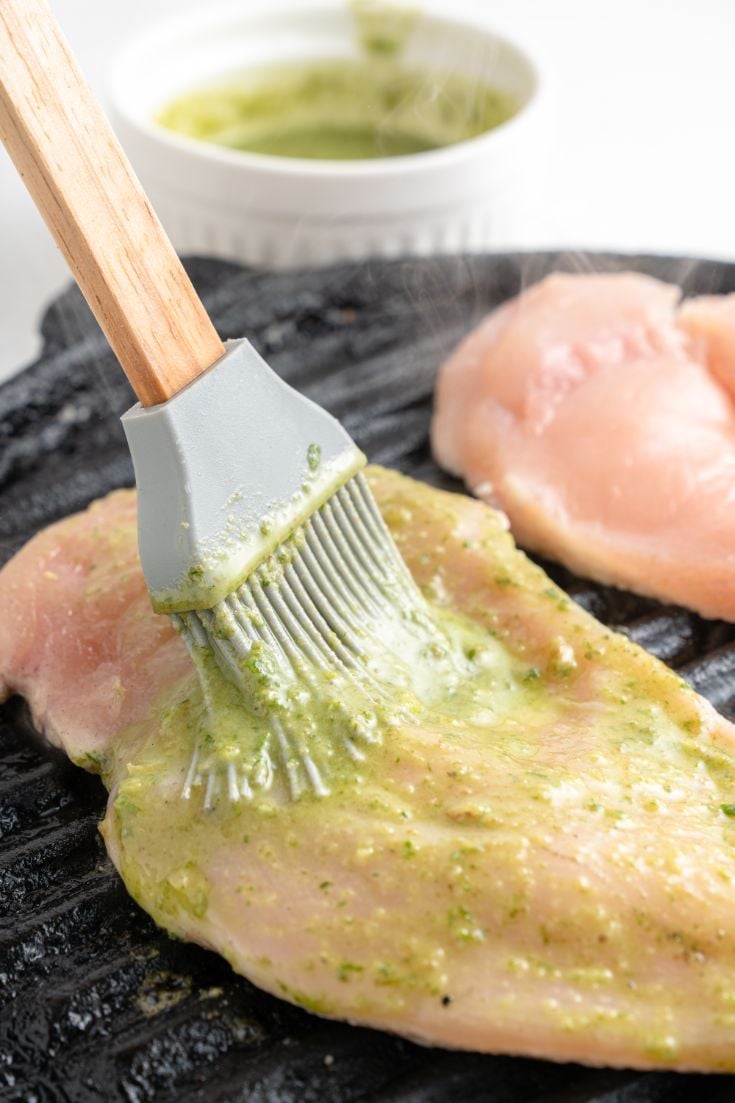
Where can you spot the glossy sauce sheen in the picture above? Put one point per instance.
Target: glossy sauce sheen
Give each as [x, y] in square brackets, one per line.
[550, 875]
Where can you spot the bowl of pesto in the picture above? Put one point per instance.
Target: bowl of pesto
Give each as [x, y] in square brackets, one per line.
[299, 132]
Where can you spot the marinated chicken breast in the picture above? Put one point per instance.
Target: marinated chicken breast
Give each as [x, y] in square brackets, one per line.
[600, 418]
[550, 872]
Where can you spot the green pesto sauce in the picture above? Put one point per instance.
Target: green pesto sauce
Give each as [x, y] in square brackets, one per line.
[339, 110]
[436, 669]
[429, 667]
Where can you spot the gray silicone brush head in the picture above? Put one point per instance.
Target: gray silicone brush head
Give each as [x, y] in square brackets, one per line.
[225, 471]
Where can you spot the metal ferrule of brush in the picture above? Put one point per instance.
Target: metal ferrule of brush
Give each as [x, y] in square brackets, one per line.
[226, 470]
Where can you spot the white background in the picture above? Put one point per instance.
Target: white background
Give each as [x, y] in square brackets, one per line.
[643, 156]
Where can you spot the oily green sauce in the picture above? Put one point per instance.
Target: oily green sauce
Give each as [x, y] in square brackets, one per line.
[339, 110]
[427, 666]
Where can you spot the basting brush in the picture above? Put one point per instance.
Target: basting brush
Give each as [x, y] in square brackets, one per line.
[235, 470]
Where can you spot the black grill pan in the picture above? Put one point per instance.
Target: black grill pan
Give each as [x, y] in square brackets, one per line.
[96, 1004]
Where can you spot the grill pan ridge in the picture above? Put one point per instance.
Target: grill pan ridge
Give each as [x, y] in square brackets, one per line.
[96, 1003]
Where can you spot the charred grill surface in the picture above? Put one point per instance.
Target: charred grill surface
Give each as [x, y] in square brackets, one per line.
[96, 1004]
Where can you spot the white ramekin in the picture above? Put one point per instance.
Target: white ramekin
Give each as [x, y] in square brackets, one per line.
[286, 212]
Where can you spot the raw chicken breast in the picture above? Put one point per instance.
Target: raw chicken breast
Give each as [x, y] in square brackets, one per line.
[552, 876]
[710, 323]
[602, 422]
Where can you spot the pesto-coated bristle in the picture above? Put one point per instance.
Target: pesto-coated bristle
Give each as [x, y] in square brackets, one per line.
[338, 579]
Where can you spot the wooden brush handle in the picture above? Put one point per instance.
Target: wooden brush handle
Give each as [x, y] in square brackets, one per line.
[83, 185]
